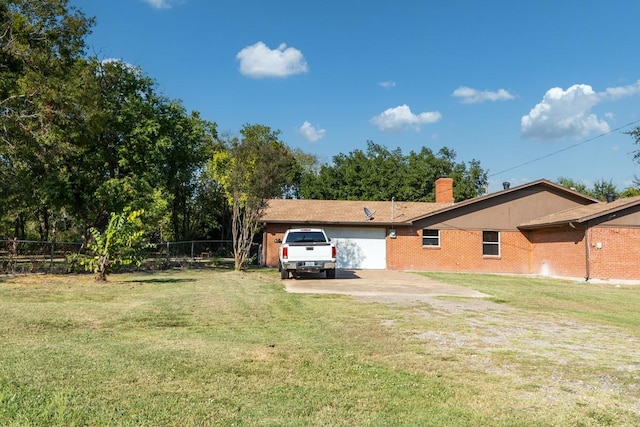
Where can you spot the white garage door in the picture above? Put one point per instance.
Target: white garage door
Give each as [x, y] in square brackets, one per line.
[360, 248]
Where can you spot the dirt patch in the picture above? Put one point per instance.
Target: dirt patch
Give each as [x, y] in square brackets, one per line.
[379, 286]
[561, 360]
[553, 360]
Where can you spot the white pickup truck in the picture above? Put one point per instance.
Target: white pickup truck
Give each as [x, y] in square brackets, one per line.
[307, 250]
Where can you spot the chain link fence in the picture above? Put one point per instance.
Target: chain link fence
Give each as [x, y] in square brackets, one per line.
[31, 256]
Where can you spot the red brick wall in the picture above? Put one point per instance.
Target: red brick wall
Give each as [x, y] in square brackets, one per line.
[460, 250]
[559, 252]
[614, 253]
[269, 246]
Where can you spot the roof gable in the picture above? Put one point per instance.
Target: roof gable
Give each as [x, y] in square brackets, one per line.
[513, 192]
[584, 214]
[505, 210]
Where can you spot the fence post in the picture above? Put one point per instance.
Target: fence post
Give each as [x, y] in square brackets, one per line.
[53, 249]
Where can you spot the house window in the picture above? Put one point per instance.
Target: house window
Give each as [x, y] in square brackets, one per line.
[491, 243]
[430, 237]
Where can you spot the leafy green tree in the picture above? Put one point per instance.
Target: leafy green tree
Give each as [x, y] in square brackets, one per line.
[41, 48]
[188, 143]
[134, 147]
[633, 189]
[305, 164]
[572, 184]
[251, 169]
[210, 212]
[382, 174]
[602, 189]
[121, 243]
[88, 137]
[635, 133]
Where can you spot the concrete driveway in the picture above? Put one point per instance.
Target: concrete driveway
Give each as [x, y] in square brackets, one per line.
[379, 285]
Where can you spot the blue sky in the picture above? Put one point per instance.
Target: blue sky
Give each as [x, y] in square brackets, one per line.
[531, 89]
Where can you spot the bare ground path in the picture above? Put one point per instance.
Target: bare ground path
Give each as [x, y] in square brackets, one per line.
[380, 285]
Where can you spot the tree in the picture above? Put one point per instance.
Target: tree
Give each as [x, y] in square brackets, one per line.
[121, 243]
[602, 190]
[305, 164]
[89, 137]
[382, 174]
[636, 135]
[572, 184]
[133, 147]
[251, 169]
[633, 189]
[41, 48]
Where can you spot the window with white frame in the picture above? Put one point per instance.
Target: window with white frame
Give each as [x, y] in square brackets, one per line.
[430, 237]
[491, 243]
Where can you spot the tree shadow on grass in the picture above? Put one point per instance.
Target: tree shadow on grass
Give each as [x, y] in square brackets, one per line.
[163, 280]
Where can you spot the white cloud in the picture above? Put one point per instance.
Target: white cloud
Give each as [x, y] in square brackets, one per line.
[387, 84]
[474, 96]
[120, 64]
[258, 61]
[567, 113]
[117, 61]
[163, 4]
[564, 113]
[310, 133]
[621, 91]
[401, 117]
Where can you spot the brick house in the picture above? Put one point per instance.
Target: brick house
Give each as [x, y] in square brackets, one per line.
[600, 241]
[536, 228]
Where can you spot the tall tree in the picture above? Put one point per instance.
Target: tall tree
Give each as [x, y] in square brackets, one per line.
[305, 164]
[136, 148]
[251, 169]
[41, 48]
[188, 145]
[382, 174]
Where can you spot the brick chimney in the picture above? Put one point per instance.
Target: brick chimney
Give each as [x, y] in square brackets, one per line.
[444, 190]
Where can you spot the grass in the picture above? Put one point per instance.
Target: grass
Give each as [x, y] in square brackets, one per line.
[603, 303]
[211, 347]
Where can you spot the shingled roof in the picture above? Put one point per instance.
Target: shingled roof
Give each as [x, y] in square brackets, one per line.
[519, 189]
[304, 211]
[582, 214]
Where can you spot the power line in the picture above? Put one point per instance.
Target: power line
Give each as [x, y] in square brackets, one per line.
[563, 149]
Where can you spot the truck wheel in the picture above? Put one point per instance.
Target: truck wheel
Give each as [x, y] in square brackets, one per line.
[284, 274]
[331, 274]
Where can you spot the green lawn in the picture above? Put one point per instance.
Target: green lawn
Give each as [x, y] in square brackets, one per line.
[212, 347]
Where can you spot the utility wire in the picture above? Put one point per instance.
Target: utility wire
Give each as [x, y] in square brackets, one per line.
[563, 149]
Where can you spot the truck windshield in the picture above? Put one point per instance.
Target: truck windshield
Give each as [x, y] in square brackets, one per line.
[306, 237]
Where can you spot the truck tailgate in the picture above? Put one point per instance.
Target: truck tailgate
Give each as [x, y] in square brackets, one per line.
[313, 252]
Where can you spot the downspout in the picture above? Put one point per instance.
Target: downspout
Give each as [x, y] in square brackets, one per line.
[263, 254]
[530, 238]
[587, 250]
